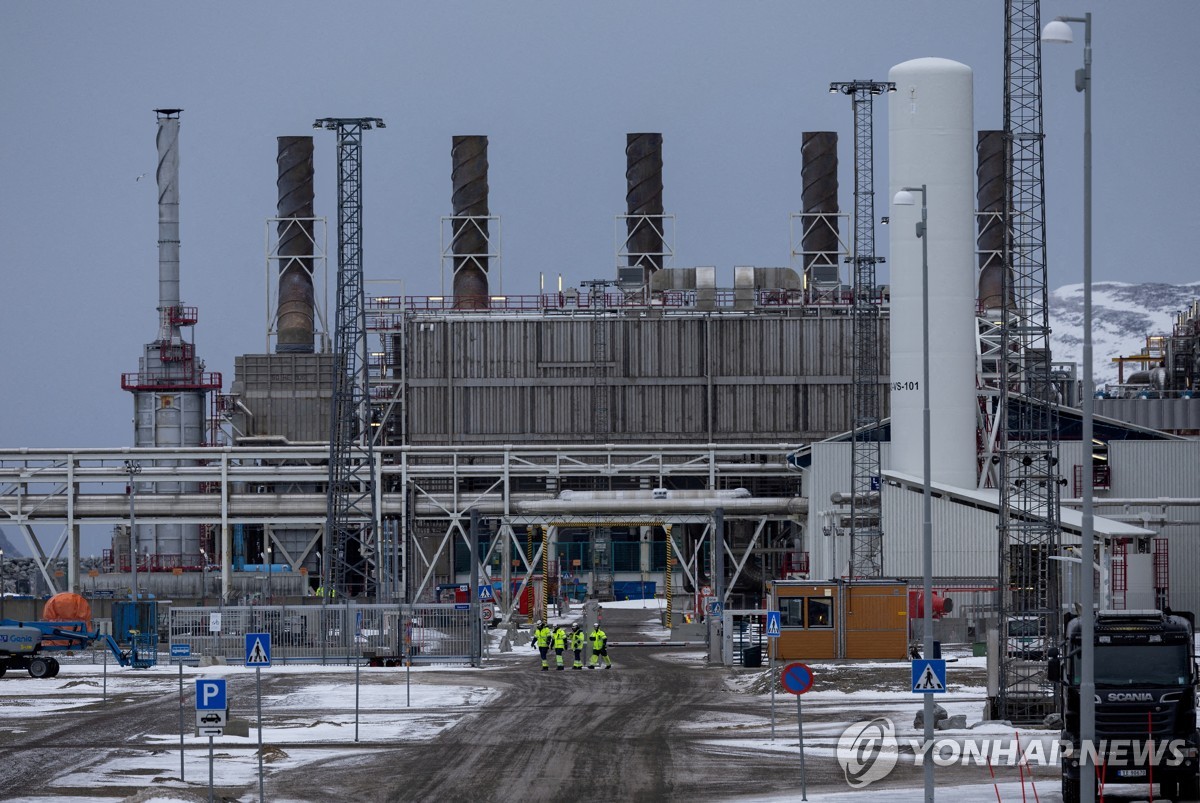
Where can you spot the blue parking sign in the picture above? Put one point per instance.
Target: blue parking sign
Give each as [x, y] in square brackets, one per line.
[210, 694]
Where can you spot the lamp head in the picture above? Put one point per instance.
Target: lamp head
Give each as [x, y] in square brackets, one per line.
[904, 198]
[1058, 32]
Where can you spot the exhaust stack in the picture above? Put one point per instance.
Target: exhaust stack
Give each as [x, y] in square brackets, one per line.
[470, 244]
[820, 197]
[990, 198]
[167, 176]
[644, 203]
[295, 323]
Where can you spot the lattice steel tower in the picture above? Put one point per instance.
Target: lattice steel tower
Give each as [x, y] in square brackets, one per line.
[866, 535]
[348, 560]
[1029, 526]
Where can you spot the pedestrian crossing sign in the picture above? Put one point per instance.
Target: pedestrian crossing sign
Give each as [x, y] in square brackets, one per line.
[772, 624]
[929, 676]
[258, 649]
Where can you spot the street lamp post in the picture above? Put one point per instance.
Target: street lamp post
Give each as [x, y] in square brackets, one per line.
[3, 586]
[905, 198]
[133, 468]
[269, 596]
[1059, 32]
[203, 578]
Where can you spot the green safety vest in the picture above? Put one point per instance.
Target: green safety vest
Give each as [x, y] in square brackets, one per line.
[560, 639]
[542, 634]
[577, 640]
[599, 638]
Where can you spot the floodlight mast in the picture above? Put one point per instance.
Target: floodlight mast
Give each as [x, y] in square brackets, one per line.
[350, 563]
[866, 534]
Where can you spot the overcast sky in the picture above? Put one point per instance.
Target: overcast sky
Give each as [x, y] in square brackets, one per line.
[555, 86]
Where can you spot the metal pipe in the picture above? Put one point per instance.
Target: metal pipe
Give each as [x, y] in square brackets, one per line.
[295, 317]
[470, 199]
[788, 505]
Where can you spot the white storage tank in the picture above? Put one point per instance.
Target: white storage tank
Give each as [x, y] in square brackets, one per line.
[931, 142]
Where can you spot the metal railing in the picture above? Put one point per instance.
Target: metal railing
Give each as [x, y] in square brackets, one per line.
[332, 633]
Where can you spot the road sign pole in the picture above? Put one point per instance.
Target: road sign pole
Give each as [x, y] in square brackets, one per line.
[798, 679]
[357, 664]
[774, 626]
[210, 769]
[771, 675]
[181, 778]
[258, 685]
[800, 725]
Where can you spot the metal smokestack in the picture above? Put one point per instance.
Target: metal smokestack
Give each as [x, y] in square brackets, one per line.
[990, 198]
[470, 244]
[820, 197]
[295, 327]
[644, 202]
[167, 175]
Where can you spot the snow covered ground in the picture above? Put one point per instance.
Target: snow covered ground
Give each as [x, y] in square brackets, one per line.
[312, 718]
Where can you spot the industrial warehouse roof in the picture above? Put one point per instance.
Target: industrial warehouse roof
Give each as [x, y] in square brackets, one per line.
[989, 499]
[1069, 429]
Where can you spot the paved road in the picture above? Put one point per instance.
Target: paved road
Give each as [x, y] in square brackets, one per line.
[602, 735]
[646, 730]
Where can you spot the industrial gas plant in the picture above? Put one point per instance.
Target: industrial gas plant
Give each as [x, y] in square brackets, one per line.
[709, 436]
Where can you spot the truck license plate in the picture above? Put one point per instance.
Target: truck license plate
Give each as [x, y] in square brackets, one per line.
[1131, 773]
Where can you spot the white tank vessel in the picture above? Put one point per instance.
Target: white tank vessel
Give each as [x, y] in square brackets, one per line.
[931, 141]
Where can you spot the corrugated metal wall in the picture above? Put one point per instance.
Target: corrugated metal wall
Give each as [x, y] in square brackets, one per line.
[1162, 469]
[1171, 415]
[965, 542]
[697, 377]
[830, 473]
[288, 396]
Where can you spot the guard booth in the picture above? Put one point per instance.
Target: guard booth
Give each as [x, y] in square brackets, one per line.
[836, 619]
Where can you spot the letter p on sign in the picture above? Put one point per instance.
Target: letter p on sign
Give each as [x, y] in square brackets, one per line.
[210, 695]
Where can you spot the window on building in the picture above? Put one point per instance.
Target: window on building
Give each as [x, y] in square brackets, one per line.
[820, 611]
[791, 612]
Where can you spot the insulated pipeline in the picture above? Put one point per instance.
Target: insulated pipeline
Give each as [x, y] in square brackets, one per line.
[469, 176]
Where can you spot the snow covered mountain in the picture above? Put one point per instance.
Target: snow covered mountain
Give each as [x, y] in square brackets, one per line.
[1123, 316]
